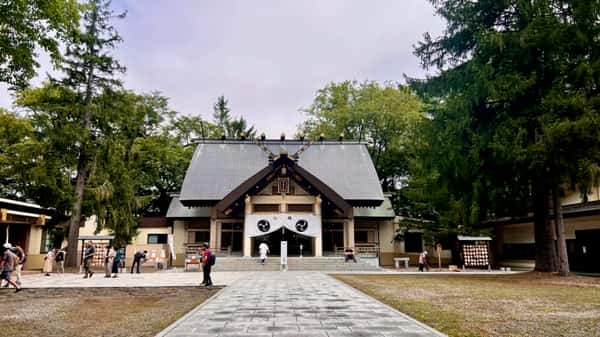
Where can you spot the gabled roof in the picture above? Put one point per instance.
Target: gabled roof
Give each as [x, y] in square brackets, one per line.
[295, 170]
[218, 167]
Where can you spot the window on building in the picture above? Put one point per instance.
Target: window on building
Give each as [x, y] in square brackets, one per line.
[361, 236]
[413, 242]
[201, 236]
[302, 208]
[231, 236]
[46, 241]
[333, 236]
[157, 238]
[266, 208]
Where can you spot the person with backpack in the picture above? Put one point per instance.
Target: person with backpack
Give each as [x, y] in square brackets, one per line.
[60, 260]
[7, 266]
[208, 260]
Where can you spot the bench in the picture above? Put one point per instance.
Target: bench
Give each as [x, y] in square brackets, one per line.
[397, 262]
[191, 260]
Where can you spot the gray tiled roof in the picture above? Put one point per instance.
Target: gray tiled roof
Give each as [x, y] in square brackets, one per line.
[385, 210]
[177, 210]
[219, 167]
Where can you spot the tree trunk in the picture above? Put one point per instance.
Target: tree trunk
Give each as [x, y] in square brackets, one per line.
[545, 247]
[75, 221]
[561, 244]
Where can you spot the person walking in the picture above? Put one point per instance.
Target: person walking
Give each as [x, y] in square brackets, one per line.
[60, 260]
[263, 250]
[422, 260]
[7, 265]
[108, 258]
[48, 262]
[206, 265]
[88, 256]
[19, 252]
[116, 261]
[137, 260]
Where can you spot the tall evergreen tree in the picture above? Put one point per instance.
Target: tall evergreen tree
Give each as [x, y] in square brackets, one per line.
[229, 126]
[517, 89]
[221, 113]
[90, 71]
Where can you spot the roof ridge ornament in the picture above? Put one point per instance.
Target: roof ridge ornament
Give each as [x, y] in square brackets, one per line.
[261, 145]
[301, 150]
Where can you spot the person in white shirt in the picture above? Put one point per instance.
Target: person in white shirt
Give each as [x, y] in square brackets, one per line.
[263, 250]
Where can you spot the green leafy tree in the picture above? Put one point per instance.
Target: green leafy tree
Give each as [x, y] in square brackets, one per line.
[517, 90]
[17, 142]
[382, 115]
[29, 26]
[187, 129]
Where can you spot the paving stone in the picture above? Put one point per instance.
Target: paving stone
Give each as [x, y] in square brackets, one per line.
[292, 304]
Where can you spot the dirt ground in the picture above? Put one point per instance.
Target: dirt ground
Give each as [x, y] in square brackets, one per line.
[91, 312]
[531, 304]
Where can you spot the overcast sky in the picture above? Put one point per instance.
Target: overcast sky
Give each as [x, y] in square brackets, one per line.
[267, 57]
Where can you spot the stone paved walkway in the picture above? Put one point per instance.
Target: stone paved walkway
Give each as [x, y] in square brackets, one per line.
[294, 304]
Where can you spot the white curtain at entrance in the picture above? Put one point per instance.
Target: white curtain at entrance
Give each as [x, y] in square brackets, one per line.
[263, 224]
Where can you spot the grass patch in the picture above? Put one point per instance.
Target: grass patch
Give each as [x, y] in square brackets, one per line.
[91, 312]
[531, 304]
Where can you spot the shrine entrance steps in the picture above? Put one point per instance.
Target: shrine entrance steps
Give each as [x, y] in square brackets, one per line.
[294, 263]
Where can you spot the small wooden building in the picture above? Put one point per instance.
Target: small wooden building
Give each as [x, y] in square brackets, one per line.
[25, 224]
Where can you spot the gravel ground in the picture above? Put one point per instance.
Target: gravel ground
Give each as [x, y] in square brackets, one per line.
[91, 312]
[530, 304]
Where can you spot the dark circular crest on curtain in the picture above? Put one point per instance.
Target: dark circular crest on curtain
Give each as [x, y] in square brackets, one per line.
[301, 225]
[263, 225]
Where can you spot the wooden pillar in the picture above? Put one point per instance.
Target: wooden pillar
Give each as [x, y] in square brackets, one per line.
[213, 233]
[349, 231]
[247, 239]
[4, 217]
[319, 238]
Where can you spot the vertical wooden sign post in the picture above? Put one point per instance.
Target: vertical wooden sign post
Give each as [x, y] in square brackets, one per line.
[438, 248]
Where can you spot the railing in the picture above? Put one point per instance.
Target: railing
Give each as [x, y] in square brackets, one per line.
[369, 248]
[363, 248]
[195, 249]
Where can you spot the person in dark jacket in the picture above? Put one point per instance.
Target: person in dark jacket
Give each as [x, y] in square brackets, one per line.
[137, 259]
[116, 262]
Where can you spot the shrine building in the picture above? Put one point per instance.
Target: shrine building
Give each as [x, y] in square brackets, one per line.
[320, 196]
